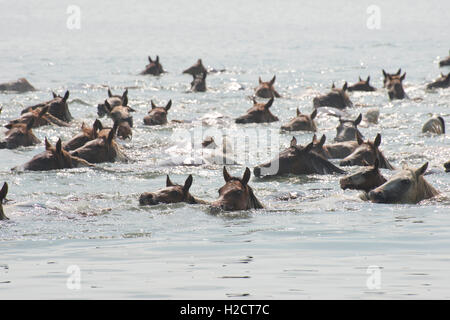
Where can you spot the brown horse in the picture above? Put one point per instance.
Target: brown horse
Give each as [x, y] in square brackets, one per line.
[338, 150]
[58, 107]
[297, 160]
[361, 85]
[302, 122]
[153, 68]
[445, 61]
[365, 180]
[347, 130]
[406, 186]
[19, 135]
[114, 101]
[3, 193]
[53, 158]
[236, 194]
[102, 149]
[394, 86]
[40, 117]
[266, 89]
[387, 75]
[441, 82]
[434, 125]
[336, 98]
[447, 166]
[87, 134]
[196, 69]
[366, 154]
[259, 113]
[21, 85]
[173, 193]
[157, 115]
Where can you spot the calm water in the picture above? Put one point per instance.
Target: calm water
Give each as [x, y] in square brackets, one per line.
[319, 245]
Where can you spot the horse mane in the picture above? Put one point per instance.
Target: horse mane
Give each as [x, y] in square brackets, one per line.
[322, 165]
[428, 190]
[253, 202]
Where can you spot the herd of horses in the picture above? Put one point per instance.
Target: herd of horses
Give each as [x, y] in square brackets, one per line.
[97, 143]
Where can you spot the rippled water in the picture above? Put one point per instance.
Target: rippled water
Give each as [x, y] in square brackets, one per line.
[319, 245]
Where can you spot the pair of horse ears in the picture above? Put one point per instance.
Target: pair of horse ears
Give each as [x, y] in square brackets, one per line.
[306, 149]
[321, 142]
[167, 107]
[151, 61]
[187, 183]
[245, 178]
[344, 87]
[271, 82]
[58, 146]
[66, 95]
[367, 81]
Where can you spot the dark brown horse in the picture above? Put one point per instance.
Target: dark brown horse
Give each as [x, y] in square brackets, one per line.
[447, 166]
[58, 107]
[3, 193]
[297, 160]
[266, 89]
[236, 194]
[114, 101]
[406, 186]
[302, 122]
[347, 130]
[173, 193]
[53, 158]
[336, 98]
[366, 154]
[441, 82]
[394, 86]
[338, 150]
[259, 113]
[153, 68]
[102, 149]
[361, 85]
[157, 115]
[87, 134]
[387, 75]
[21, 85]
[365, 180]
[20, 135]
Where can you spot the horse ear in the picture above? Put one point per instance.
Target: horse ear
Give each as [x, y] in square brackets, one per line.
[313, 114]
[420, 171]
[187, 183]
[157, 59]
[442, 75]
[109, 93]
[66, 96]
[168, 182]
[3, 192]
[246, 178]
[153, 104]
[97, 125]
[344, 87]
[150, 59]
[333, 86]
[168, 105]
[359, 139]
[112, 133]
[298, 112]
[358, 120]
[30, 124]
[398, 72]
[403, 77]
[269, 103]
[384, 73]
[360, 78]
[322, 140]
[314, 138]
[376, 164]
[272, 81]
[48, 146]
[368, 79]
[125, 100]
[254, 100]
[377, 141]
[259, 79]
[59, 146]
[226, 175]
[107, 105]
[54, 94]
[293, 142]
[309, 147]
